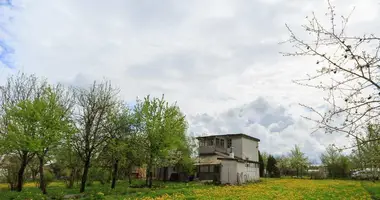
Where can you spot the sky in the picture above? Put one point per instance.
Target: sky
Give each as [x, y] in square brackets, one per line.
[219, 60]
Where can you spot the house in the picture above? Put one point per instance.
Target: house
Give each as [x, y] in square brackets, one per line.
[228, 159]
[171, 173]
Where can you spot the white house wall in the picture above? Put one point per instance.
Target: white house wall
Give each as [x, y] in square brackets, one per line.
[237, 144]
[228, 172]
[247, 173]
[250, 149]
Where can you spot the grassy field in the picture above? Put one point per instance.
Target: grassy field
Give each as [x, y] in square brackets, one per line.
[266, 189]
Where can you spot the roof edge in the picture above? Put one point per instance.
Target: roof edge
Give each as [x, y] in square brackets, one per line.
[232, 135]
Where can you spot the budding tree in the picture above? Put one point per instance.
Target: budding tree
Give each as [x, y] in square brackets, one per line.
[348, 70]
[94, 104]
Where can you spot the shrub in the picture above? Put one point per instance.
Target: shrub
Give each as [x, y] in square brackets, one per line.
[98, 174]
[48, 177]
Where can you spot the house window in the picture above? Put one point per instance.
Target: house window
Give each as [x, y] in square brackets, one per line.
[210, 142]
[217, 142]
[202, 142]
[203, 168]
[216, 168]
[211, 168]
[222, 142]
[229, 143]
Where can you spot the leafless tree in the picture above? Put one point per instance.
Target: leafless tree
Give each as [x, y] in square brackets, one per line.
[93, 106]
[348, 70]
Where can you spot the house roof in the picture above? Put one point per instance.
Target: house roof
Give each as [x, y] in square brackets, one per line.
[232, 135]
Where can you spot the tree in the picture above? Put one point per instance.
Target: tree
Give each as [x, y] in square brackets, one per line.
[265, 156]
[41, 123]
[347, 71]
[283, 164]
[337, 164]
[162, 127]
[93, 106]
[120, 126]
[298, 160]
[66, 156]
[18, 90]
[367, 154]
[272, 169]
[9, 165]
[261, 165]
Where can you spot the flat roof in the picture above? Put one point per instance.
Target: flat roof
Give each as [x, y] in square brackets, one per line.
[231, 135]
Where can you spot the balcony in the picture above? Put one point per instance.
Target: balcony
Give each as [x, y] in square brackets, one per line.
[211, 149]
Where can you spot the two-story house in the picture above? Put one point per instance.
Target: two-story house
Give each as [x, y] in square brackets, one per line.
[229, 158]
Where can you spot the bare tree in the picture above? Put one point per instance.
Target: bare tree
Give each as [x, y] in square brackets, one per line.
[93, 106]
[348, 70]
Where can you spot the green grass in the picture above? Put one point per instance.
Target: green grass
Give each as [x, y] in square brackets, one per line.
[266, 189]
[373, 189]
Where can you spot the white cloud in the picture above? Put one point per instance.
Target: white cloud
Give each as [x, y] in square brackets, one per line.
[210, 56]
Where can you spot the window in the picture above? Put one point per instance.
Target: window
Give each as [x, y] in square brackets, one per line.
[222, 142]
[203, 168]
[210, 142]
[211, 168]
[216, 168]
[202, 142]
[229, 143]
[217, 142]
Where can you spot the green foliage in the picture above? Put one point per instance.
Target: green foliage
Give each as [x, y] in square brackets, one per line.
[163, 128]
[9, 166]
[338, 165]
[99, 174]
[272, 169]
[283, 164]
[261, 165]
[298, 160]
[48, 177]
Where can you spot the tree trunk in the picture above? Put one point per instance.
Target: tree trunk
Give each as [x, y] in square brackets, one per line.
[150, 179]
[20, 175]
[165, 173]
[114, 173]
[129, 174]
[84, 176]
[147, 176]
[71, 179]
[42, 179]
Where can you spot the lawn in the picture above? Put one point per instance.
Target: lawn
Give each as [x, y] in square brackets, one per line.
[266, 189]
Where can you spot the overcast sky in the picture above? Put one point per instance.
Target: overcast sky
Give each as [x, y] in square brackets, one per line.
[218, 59]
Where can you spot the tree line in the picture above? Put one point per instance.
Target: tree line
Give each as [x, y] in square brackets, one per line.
[85, 132]
[334, 163]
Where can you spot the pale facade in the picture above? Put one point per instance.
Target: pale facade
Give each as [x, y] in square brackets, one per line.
[229, 159]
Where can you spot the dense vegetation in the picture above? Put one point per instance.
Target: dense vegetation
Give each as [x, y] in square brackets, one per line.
[51, 132]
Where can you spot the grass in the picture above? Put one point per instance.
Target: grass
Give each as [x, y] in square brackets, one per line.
[266, 189]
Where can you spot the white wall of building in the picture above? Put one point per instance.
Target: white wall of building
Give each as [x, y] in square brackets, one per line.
[228, 172]
[237, 144]
[234, 172]
[247, 173]
[250, 149]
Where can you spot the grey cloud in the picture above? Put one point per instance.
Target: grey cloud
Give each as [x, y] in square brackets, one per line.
[148, 14]
[277, 130]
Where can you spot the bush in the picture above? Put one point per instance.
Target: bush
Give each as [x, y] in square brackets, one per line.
[48, 177]
[98, 174]
[317, 175]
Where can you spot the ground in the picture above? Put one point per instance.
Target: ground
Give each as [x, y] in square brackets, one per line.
[266, 189]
